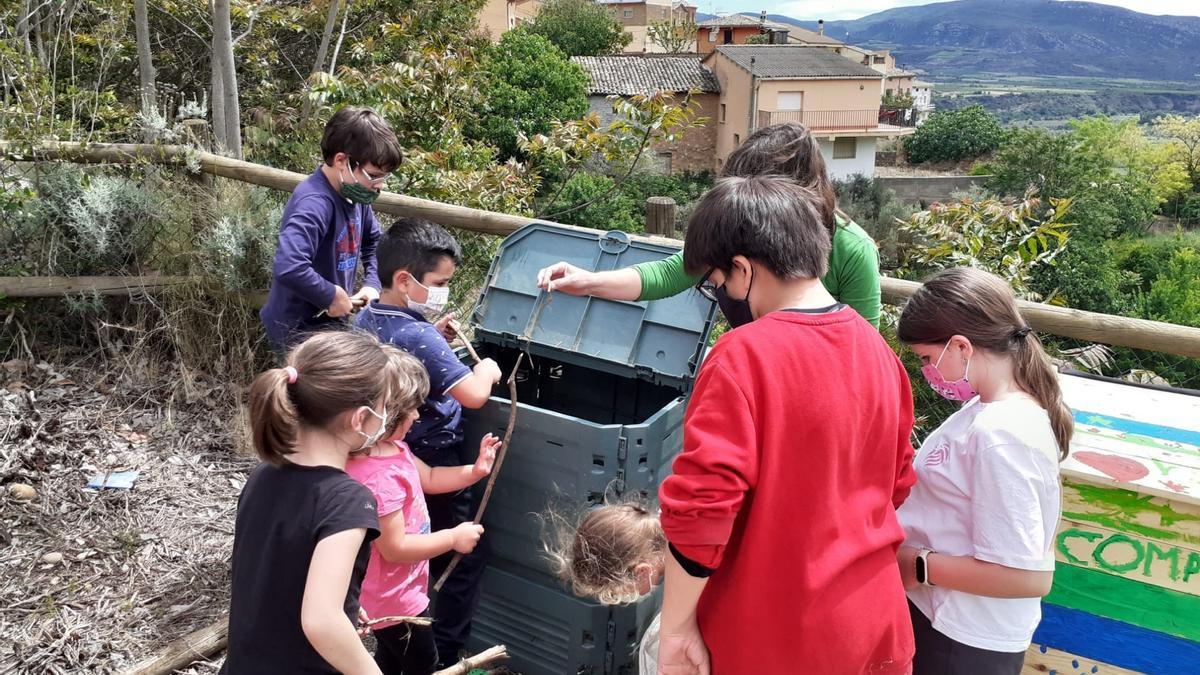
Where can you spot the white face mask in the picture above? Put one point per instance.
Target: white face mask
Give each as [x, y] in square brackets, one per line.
[370, 440]
[435, 302]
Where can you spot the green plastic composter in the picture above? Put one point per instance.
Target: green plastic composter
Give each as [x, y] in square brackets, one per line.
[601, 397]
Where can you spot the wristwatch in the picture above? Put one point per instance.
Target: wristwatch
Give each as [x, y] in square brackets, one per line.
[922, 564]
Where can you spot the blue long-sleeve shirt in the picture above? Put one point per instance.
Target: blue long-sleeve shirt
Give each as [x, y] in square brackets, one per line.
[321, 240]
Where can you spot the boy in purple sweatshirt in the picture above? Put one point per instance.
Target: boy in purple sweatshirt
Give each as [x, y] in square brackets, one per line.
[328, 226]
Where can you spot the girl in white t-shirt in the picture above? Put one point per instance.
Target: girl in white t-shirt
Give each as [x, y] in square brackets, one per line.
[980, 523]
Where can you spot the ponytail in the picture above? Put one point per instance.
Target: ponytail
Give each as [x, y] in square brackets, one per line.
[1036, 377]
[273, 425]
[326, 375]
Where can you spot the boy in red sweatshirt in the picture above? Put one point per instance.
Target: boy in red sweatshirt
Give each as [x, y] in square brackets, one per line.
[781, 510]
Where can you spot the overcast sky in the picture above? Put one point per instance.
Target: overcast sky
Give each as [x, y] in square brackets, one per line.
[833, 10]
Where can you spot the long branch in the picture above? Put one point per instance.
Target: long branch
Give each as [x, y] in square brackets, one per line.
[253, 16]
[487, 493]
[185, 26]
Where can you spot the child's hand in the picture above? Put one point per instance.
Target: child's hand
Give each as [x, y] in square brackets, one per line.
[465, 536]
[364, 296]
[490, 369]
[364, 623]
[488, 447]
[447, 326]
[342, 305]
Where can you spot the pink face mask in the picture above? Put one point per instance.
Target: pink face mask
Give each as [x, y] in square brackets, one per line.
[958, 390]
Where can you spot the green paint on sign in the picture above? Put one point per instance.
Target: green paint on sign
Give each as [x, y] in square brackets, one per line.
[1127, 600]
[1127, 510]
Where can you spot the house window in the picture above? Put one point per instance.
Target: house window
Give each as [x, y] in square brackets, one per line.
[722, 113]
[628, 14]
[737, 140]
[845, 148]
[790, 100]
[664, 161]
[728, 36]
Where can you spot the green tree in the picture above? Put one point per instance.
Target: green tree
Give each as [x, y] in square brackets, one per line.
[1185, 132]
[1009, 240]
[675, 35]
[527, 83]
[954, 135]
[579, 27]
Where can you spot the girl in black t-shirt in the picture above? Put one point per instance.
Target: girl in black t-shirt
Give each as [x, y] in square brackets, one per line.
[304, 527]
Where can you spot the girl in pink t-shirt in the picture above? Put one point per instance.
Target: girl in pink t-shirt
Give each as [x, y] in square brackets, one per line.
[397, 579]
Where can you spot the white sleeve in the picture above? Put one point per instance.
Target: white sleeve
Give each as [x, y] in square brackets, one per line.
[648, 651]
[1014, 507]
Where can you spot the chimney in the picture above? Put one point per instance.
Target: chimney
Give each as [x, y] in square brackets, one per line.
[762, 17]
[820, 26]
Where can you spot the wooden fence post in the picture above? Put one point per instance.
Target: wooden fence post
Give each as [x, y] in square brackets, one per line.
[660, 216]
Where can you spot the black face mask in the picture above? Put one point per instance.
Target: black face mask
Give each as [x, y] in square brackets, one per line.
[737, 312]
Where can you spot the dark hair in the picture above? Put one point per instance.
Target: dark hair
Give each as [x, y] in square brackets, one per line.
[364, 136]
[787, 149]
[409, 388]
[336, 371]
[769, 219]
[979, 306]
[416, 246]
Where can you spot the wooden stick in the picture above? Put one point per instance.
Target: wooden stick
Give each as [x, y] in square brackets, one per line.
[410, 620]
[487, 493]
[1090, 326]
[467, 343]
[475, 220]
[479, 660]
[43, 287]
[190, 648]
[1077, 324]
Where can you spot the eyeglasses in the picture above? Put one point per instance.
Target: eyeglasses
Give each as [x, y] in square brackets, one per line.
[705, 287]
[377, 181]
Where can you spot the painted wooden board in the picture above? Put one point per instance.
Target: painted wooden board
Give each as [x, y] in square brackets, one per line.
[1128, 511]
[1127, 600]
[1115, 642]
[1133, 437]
[1131, 556]
[1042, 660]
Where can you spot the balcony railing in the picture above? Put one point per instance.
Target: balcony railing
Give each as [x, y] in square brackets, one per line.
[839, 120]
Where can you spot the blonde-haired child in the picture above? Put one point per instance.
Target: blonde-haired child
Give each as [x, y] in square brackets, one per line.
[397, 579]
[614, 554]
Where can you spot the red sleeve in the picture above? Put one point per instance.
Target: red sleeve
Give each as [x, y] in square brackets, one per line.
[906, 477]
[704, 493]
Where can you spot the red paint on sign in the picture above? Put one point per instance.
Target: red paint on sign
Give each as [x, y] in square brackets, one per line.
[1117, 468]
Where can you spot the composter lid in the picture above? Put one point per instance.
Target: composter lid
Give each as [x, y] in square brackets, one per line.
[660, 341]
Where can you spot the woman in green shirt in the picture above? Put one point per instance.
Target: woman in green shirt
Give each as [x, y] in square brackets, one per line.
[788, 149]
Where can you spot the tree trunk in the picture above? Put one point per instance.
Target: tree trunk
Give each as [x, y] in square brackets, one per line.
[322, 52]
[223, 53]
[341, 36]
[23, 27]
[141, 22]
[217, 101]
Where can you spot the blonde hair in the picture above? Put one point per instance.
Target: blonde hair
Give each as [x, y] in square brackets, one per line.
[596, 557]
[409, 386]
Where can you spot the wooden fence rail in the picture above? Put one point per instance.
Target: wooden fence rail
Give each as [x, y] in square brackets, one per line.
[1073, 323]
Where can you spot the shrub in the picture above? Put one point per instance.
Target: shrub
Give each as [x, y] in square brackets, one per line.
[954, 135]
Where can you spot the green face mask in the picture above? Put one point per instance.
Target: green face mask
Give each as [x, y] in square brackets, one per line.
[356, 192]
